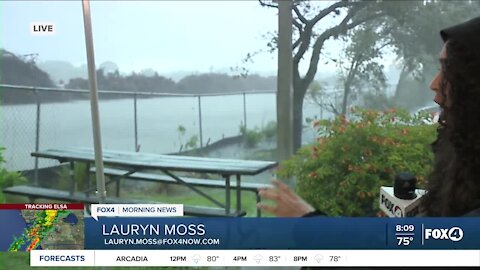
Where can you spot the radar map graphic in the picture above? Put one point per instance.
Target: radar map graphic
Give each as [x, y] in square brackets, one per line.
[25, 227]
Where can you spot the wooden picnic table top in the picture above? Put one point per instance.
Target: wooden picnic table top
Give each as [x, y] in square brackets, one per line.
[142, 160]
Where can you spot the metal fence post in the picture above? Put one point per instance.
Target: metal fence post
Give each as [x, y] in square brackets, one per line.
[137, 148]
[200, 120]
[37, 137]
[244, 111]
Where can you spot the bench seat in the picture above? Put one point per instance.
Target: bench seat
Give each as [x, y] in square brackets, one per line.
[62, 195]
[211, 183]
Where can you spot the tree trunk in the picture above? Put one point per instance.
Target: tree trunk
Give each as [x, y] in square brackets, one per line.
[346, 94]
[298, 97]
[401, 80]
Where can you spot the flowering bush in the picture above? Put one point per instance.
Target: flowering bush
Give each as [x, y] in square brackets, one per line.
[342, 172]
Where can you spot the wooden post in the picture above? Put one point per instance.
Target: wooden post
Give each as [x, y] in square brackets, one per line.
[37, 136]
[244, 111]
[135, 123]
[285, 82]
[92, 79]
[200, 120]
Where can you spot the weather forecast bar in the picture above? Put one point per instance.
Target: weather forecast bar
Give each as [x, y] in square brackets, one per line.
[255, 258]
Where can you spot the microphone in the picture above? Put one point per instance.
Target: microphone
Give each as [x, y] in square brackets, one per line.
[403, 199]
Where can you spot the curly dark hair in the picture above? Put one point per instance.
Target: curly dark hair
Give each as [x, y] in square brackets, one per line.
[454, 184]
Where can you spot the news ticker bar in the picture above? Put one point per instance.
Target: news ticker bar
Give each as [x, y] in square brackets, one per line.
[255, 258]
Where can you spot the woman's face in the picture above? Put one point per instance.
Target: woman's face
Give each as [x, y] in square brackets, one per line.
[436, 84]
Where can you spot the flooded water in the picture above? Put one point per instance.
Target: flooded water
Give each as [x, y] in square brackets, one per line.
[14, 227]
[69, 124]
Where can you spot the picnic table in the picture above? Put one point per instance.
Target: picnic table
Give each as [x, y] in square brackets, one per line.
[132, 165]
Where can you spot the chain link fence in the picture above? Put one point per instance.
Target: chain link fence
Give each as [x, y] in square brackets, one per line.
[41, 118]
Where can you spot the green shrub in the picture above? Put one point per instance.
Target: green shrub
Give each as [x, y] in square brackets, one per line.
[7, 178]
[243, 129]
[342, 172]
[270, 130]
[253, 137]
[192, 143]
[79, 176]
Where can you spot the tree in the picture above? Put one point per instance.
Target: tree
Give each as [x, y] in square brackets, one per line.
[316, 93]
[417, 45]
[108, 67]
[192, 84]
[309, 39]
[17, 71]
[393, 20]
[130, 83]
[359, 67]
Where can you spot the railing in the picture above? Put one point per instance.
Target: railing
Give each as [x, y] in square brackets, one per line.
[64, 96]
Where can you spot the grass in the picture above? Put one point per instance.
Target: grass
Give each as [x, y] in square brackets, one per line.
[191, 198]
[185, 197]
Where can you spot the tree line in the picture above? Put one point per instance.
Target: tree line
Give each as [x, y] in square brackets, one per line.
[191, 84]
[22, 71]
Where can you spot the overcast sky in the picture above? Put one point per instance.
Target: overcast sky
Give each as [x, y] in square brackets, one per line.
[164, 35]
[167, 36]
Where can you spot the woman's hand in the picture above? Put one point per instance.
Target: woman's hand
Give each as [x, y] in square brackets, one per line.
[288, 204]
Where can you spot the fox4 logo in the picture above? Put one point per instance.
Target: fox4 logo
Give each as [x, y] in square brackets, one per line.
[454, 234]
